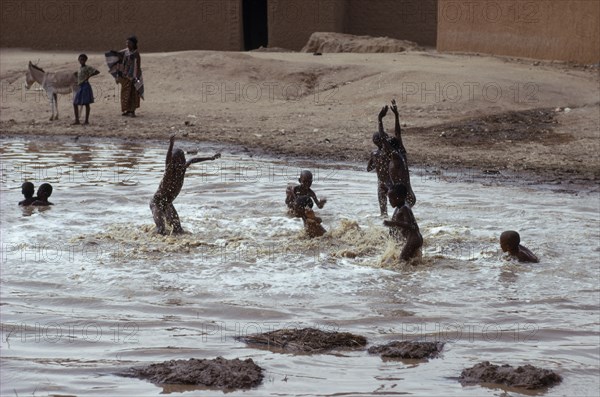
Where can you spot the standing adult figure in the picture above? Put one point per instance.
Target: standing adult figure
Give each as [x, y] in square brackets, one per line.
[130, 78]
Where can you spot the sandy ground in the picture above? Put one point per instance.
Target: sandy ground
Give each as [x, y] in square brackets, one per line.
[458, 111]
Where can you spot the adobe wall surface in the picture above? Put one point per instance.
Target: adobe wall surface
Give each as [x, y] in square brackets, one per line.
[92, 25]
[567, 30]
[291, 22]
[544, 29]
[414, 20]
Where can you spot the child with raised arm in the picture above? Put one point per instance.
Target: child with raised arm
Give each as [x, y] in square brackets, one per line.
[398, 165]
[27, 189]
[84, 95]
[403, 222]
[163, 211]
[295, 193]
[379, 161]
[509, 242]
[43, 194]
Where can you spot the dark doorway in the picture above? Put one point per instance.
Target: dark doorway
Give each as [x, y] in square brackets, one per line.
[256, 32]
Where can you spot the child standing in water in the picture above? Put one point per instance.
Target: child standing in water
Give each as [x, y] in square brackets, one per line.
[379, 161]
[296, 193]
[84, 95]
[27, 189]
[509, 242]
[163, 211]
[398, 165]
[403, 222]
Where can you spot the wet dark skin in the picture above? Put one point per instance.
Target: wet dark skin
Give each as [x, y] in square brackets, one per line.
[295, 193]
[163, 211]
[398, 165]
[82, 61]
[43, 194]
[509, 242]
[312, 223]
[27, 189]
[379, 161]
[403, 222]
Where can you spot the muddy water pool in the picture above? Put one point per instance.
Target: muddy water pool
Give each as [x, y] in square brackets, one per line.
[89, 290]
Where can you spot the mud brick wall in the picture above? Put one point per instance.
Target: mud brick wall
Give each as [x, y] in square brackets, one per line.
[567, 30]
[96, 25]
[414, 20]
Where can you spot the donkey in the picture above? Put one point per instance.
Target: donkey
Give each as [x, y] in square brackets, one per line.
[52, 83]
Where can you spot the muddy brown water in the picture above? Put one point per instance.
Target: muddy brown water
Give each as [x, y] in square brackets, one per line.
[88, 290]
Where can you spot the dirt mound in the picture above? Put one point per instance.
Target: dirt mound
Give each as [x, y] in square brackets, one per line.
[246, 79]
[271, 49]
[328, 42]
[218, 373]
[527, 376]
[534, 125]
[306, 340]
[408, 349]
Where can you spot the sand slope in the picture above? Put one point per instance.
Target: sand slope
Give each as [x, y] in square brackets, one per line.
[299, 104]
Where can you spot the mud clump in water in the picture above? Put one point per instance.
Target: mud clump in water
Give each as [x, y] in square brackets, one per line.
[218, 373]
[306, 340]
[527, 376]
[408, 350]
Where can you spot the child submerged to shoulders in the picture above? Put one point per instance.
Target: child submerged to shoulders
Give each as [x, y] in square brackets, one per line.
[510, 242]
[43, 194]
[27, 189]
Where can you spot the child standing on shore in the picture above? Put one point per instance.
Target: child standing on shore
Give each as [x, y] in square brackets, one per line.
[84, 95]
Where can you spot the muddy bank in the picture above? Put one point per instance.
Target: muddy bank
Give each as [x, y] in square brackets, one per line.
[526, 376]
[408, 350]
[488, 114]
[217, 373]
[306, 340]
